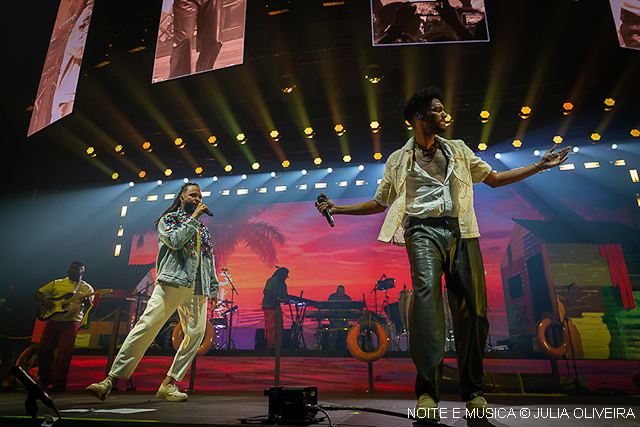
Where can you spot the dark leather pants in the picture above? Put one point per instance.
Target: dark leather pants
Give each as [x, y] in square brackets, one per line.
[434, 247]
[187, 14]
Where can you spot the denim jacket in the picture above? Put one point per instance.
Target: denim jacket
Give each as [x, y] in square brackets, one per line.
[175, 264]
[468, 169]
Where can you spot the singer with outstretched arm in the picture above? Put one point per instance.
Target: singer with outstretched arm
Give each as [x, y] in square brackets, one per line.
[185, 277]
[428, 186]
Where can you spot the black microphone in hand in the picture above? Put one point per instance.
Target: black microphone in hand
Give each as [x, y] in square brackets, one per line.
[325, 212]
[208, 212]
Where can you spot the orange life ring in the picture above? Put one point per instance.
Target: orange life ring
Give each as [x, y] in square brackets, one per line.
[28, 360]
[544, 345]
[207, 342]
[357, 352]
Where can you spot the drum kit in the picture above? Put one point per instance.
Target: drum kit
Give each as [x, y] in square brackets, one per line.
[397, 313]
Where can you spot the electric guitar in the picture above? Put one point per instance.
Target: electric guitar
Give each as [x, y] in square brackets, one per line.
[59, 303]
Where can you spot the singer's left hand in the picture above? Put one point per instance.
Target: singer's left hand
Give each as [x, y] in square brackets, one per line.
[324, 205]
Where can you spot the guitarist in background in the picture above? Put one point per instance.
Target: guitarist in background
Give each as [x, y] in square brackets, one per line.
[61, 328]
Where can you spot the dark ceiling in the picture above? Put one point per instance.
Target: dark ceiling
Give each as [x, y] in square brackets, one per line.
[546, 52]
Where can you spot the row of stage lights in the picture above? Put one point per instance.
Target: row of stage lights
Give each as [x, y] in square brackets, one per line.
[340, 130]
[245, 176]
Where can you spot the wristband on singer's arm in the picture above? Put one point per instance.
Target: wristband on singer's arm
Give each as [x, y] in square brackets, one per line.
[536, 164]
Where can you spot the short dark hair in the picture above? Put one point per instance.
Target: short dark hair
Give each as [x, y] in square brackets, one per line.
[419, 101]
[80, 263]
[340, 286]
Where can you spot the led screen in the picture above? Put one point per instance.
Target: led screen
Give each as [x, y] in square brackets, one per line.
[57, 89]
[430, 21]
[626, 15]
[198, 36]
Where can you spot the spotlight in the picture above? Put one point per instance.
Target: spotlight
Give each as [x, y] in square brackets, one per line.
[361, 167]
[131, 184]
[214, 179]
[525, 112]
[147, 146]
[317, 160]
[497, 155]
[286, 164]
[374, 73]
[339, 129]
[179, 143]
[276, 7]
[482, 146]
[244, 176]
[142, 174]
[168, 172]
[115, 175]
[287, 83]
[119, 149]
[273, 174]
[91, 151]
[241, 138]
[375, 126]
[255, 166]
[634, 175]
[275, 135]
[608, 104]
[213, 141]
[595, 136]
[309, 132]
[567, 108]
[517, 143]
[346, 158]
[536, 153]
[329, 170]
[198, 170]
[635, 133]
[484, 116]
[185, 180]
[228, 168]
[377, 156]
[557, 139]
[303, 172]
[159, 182]
[614, 146]
[576, 149]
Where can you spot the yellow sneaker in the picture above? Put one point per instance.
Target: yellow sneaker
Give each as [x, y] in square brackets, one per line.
[427, 409]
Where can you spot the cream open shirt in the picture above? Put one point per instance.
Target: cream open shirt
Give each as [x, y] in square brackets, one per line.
[468, 169]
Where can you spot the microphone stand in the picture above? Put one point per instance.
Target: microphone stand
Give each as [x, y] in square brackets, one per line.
[375, 295]
[233, 290]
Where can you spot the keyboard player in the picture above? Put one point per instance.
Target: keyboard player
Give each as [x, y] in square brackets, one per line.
[275, 291]
[338, 332]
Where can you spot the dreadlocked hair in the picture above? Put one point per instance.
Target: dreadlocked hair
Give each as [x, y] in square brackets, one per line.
[176, 202]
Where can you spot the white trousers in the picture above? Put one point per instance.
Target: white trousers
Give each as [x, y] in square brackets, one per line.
[163, 303]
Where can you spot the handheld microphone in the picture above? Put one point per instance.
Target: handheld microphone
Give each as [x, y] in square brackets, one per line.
[208, 212]
[325, 212]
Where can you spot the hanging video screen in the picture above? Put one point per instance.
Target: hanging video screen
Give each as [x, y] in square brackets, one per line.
[198, 36]
[428, 21]
[626, 16]
[57, 89]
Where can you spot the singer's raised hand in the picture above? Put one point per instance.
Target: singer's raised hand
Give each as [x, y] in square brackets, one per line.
[324, 205]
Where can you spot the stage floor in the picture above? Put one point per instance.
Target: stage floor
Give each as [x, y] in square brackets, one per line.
[209, 408]
[230, 388]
